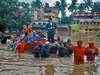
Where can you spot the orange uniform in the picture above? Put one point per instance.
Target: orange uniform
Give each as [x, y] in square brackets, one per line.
[91, 52]
[79, 55]
[22, 47]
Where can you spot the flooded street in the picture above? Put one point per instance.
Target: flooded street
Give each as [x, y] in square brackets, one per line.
[9, 65]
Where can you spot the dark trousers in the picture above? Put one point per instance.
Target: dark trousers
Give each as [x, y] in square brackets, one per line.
[37, 54]
[51, 38]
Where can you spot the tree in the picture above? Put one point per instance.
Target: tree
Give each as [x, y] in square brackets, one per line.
[73, 6]
[88, 4]
[2, 26]
[36, 4]
[7, 12]
[66, 20]
[63, 8]
[57, 5]
[96, 7]
[81, 7]
[47, 8]
[14, 14]
[23, 14]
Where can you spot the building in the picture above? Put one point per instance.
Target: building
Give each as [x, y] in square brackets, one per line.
[41, 17]
[63, 31]
[44, 13]
[87, 27]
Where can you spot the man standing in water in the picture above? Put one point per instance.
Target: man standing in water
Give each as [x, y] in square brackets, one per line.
[50, 31]
[91, 53]
[79, 51]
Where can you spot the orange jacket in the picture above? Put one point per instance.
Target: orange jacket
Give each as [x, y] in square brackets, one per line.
[22, 47]
[79, 55]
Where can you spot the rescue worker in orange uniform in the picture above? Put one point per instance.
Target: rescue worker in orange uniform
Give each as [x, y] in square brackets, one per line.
[22, 46]
[79, 52]
[91, 52]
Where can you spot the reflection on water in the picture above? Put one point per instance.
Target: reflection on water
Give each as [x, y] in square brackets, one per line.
[32, 66]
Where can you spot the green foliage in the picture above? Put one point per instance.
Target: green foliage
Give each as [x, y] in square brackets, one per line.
[96, 7]
[88, 4]
[36, 4]
[61, 6]
[66, 20]
[7, 12]
[81, 7]
[73, 6]
[13, 14]
[98, 35]
[23, 14]
[47, 8]
[2, 25]
[57, 5]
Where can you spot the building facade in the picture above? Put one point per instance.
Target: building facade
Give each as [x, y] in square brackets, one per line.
[41, 17]
[88, 27]
[44, 13]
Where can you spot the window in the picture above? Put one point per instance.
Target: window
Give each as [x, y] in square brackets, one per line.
[94, 23]
[74, 22]
[91, 23]
[77, 22]
[86, 29]
[90, 30]
[87, 23]
[81, 23]
[98, 23]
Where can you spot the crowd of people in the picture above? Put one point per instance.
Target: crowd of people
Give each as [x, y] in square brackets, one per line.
[29, 41]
